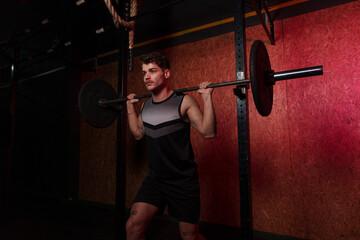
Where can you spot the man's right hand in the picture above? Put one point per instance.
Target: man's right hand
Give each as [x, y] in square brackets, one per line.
[131, 98]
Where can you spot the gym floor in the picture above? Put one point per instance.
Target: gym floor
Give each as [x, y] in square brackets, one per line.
[70, 221]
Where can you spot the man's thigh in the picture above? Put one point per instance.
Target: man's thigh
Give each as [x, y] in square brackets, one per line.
[184, 202]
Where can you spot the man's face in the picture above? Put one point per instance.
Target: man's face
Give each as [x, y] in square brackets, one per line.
[154, 77]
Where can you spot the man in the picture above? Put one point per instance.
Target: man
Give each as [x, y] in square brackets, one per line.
[165, 119]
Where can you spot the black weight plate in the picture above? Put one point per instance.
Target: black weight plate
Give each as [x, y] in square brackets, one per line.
[89, 96]
[259, 67]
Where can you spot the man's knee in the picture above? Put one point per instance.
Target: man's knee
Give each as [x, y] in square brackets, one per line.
[134, 227]
[190, 231]
[188, 236]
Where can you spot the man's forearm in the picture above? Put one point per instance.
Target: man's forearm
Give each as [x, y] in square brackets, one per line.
[209, 118]
[133, 119]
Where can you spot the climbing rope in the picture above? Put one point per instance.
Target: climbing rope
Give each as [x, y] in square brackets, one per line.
[129, 25]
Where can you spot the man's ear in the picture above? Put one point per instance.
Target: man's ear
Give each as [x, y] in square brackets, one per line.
[167, 73]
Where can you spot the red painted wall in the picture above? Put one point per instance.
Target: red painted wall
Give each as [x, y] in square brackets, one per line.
[306, 175]
[305, 160]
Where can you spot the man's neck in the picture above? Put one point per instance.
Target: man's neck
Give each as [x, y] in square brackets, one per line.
[162, 95]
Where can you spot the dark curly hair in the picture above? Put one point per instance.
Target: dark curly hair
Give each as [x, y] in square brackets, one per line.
[154, 57]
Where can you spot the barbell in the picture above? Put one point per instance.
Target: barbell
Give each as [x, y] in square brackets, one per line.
[98, 101]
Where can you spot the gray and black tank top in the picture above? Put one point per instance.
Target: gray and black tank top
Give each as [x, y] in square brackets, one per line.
[169, 148]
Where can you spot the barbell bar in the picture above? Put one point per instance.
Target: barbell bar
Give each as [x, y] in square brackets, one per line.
[271, 79]
[97, 98]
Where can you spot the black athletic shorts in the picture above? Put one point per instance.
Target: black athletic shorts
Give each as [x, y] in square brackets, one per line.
[182, 199]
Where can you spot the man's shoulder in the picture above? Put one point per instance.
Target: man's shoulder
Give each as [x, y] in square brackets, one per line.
[189, 101]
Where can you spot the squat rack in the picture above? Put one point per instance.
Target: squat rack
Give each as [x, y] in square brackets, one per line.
[246, 219]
